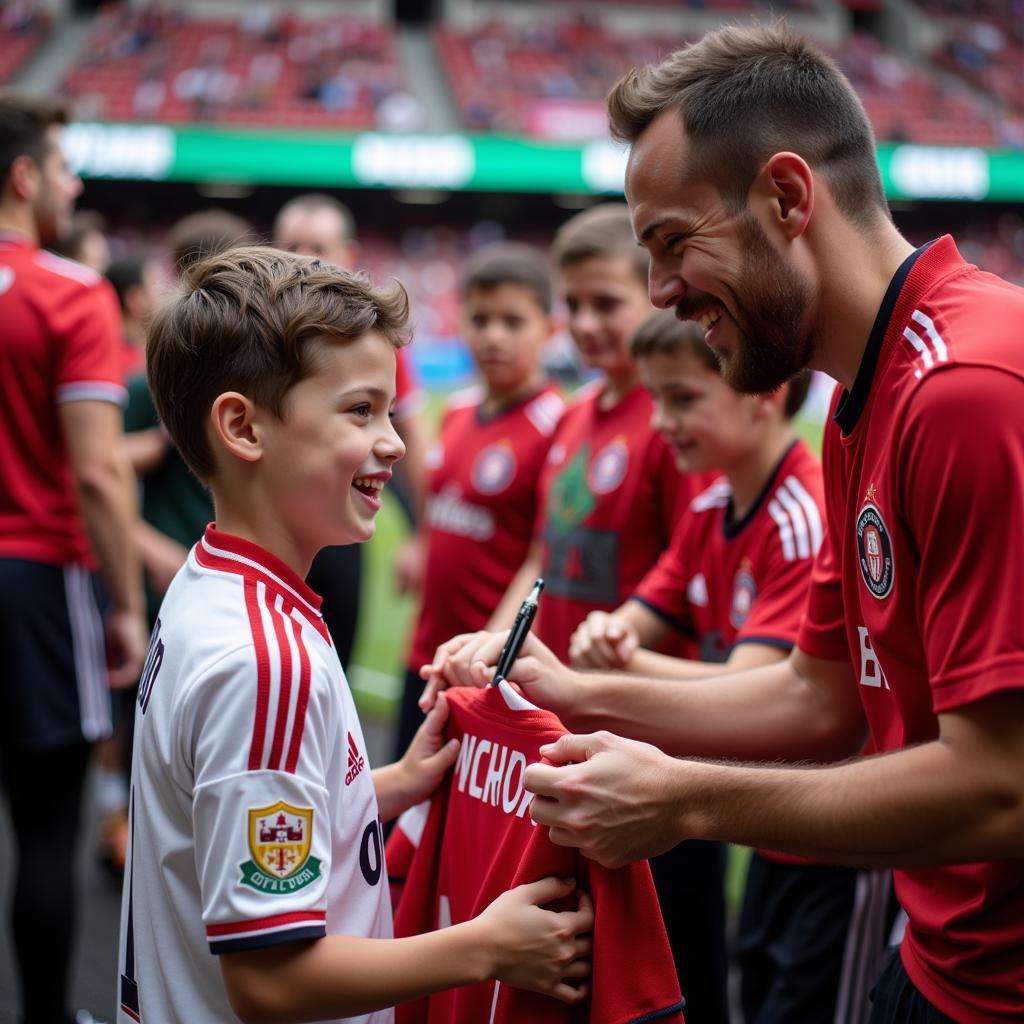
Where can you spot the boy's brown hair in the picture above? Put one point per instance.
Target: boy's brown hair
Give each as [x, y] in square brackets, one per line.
[509, 263]
[745, 92]
[602, 232]
[664, 333]
[25, 119]
[248, 320]
[205, 233]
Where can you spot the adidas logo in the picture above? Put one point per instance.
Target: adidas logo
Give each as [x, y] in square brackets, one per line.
[356, 761]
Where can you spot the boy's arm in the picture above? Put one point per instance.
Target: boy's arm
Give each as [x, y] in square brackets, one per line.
[513, 940]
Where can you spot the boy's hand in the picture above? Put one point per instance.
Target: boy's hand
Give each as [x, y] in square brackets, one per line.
[423, 765]
[537, 949]
[603, 641]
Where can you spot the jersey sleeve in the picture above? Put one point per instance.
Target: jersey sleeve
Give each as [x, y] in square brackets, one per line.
[962, 464]
[262, 837]
[778, 606]
[89, 361]
[649, 988]
[663, 588]
[822, 631]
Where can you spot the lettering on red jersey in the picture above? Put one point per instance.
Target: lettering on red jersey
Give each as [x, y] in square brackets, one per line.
[871, 673]
[493, 773]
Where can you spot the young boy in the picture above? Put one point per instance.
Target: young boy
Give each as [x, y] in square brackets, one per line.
[255, 821]
[483, 468]
[607, 470]
[735, 580]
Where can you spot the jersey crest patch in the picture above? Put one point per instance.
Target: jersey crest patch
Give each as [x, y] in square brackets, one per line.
[493, 469]
[874, 549]
[609, 467]
[744, 591]
[280, 839]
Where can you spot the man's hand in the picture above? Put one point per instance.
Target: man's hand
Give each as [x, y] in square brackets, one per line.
[603, 640]
[127, 635]
[162, 557]
[609, 796]
[536, 949]
[409, 565]
[470, 659]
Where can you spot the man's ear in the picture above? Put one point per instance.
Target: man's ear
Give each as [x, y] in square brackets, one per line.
[784, 189]
[234, 420]
[23, 177]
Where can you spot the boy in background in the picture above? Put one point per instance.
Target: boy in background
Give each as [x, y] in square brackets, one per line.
[255, 822]
[483, 469]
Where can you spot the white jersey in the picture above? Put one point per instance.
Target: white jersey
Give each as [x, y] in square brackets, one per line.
[253, 814]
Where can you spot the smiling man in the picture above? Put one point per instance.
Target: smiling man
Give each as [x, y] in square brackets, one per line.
[752, 182]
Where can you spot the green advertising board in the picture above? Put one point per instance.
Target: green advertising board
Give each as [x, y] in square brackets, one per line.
[483, 163]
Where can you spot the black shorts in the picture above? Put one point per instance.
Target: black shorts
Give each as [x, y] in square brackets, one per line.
[53, 674]
[895, 1000]
[810, 941]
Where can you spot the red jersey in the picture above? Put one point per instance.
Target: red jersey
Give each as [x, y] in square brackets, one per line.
[610, 498]
[477, 840]
[726, 583]
[61, 343]
[919, 579]
[481, 506]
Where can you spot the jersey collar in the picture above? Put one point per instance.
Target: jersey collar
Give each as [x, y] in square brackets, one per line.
[227, 553]
[733, 528]
[851, 403]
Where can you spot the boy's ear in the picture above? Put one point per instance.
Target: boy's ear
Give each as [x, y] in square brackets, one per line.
[233, 418]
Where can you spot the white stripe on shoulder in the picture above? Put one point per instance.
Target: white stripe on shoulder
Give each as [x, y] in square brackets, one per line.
[809, 508]
[92, 390]
[929, 344]
[715, 496]
[67, 268]
[777, 513]
[544, 412]
[798, 521]
[413, 821]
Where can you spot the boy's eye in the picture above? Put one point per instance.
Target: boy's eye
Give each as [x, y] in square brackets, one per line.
[361, 410]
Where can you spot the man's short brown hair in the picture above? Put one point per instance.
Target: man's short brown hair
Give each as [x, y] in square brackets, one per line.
[665, 334]
[247, 320]
[509, 263]
[744, 93]
[24, 121]
[602, 232]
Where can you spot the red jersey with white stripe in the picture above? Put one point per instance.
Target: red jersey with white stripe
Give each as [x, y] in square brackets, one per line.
[919, 579]
[254, 819]
[475, 839]
[481, 507]
[725, 582]
[61, 342]
[610, 499]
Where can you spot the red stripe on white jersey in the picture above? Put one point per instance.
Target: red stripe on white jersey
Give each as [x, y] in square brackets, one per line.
[259, 641]
[302, 700]
[263, 924]
[284, 687]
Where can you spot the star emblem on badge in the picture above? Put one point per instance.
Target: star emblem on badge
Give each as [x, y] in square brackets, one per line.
[870, 494]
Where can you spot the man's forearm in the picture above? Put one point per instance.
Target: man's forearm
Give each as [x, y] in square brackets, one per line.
[767, 713]
[923, 806]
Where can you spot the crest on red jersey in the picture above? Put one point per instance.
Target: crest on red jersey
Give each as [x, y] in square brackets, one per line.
[494, 468]
[874, 548]
[609, 466]
[744, 592]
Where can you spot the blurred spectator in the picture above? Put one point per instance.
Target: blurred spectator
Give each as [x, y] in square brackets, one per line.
[86, 241]
[204, 233]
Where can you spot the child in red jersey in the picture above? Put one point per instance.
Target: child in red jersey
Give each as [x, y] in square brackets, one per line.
[735, 580]
[610, 493]
[483, 468]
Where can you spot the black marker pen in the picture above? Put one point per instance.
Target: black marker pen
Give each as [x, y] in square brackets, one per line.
[516, 636]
